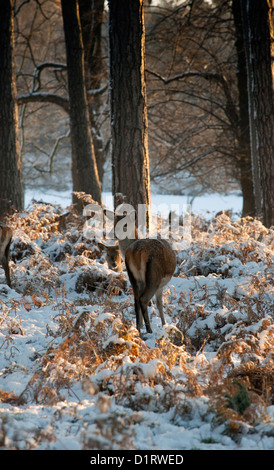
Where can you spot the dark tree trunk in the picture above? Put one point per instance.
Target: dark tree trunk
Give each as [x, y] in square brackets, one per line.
[11, 190]
[261, 108]
[84, 169]
[244, 156]
[130, 161]
[91, 16]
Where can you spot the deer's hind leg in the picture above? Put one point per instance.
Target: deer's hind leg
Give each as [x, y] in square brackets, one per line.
[159, 303]
[137, 305]
[151, 287]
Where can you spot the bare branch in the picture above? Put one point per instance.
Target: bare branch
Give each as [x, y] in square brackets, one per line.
[44, 98]
[20, 6]
[39, 68]
[218, 78]
[55, 148]
[97, 91]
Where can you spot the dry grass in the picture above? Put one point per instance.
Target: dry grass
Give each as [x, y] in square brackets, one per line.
[236, 326]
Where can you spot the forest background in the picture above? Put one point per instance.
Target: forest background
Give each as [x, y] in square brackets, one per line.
[197, 84]
[193, 104]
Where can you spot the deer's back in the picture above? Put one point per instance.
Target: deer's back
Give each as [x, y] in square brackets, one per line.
[154, 251]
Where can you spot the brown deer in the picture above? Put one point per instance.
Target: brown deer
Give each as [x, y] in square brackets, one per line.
[5, 241]
[113, 257]
[150, 264]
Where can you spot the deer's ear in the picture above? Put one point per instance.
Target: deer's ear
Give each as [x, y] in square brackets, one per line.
[107, 248]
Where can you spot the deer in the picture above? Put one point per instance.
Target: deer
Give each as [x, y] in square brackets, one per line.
[5, 241]
[113, 256]
[150, 264]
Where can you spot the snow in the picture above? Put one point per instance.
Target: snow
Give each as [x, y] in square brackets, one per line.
[206, 204]
[74, 372]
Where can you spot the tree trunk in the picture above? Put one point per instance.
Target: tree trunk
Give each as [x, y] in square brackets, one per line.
[84, 169]
[130, 160]
[244, 156]
[11, 190]
[91, 17]
[261, 107]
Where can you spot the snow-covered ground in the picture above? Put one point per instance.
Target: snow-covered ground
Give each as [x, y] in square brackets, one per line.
[74, 372]
[206, 205]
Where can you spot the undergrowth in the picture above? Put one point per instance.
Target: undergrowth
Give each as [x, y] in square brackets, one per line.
[219, 347]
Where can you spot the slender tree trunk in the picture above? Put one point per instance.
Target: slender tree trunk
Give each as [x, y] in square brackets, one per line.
[11, 190]
[91, 16]
[261, 106]
[84, 169]
[244, 153]
[130, 160]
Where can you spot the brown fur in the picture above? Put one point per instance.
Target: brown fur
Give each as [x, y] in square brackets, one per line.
[150, 265]
[113, 257]
[5, 241]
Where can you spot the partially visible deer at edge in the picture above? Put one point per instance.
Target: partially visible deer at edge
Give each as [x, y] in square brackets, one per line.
[5, 241]
[150, 264]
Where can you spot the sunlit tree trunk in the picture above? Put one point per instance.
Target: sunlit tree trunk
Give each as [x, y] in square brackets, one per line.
[11, 191]
[130, 160]
[261, 108]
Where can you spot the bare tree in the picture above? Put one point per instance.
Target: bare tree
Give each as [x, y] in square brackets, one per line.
[130, 160]
[41, 80]
[84, 168]
[91, 17]
[43, 88]
[198, 112]
[11, 192]
[192, 111]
